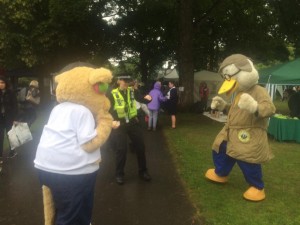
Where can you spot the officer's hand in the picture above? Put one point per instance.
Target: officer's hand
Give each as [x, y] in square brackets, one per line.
[148, 97]
[115, 124]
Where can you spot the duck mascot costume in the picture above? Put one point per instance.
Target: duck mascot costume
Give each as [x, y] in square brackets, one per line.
[68, 154]
[243, 139]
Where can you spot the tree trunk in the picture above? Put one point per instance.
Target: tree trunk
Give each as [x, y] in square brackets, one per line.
[185, 54]
[143, 67]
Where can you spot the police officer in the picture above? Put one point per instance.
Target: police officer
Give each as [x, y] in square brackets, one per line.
[124, 112]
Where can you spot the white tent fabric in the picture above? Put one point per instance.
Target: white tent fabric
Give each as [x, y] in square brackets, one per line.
[171, 75]
[213, 81]
[272, 88]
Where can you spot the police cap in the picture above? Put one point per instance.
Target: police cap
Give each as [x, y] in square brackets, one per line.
[125, 78]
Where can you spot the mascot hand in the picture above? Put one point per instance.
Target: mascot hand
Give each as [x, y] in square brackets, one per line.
[218, 103]
[247, 102]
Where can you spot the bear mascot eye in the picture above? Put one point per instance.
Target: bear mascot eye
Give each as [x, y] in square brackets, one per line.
[100, 88]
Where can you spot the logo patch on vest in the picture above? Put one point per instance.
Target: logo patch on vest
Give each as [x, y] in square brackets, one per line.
[244, 136]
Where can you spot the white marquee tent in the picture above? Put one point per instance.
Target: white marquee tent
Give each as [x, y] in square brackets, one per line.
[212, 79]
[169, 74]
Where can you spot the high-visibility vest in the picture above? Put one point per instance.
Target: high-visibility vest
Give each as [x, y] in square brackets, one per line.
[125, 110]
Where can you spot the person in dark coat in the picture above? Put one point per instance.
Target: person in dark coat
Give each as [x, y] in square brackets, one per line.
[172, 101]
[294, 105]
[8, 113]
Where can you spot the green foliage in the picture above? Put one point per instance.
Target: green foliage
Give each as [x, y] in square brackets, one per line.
[125, 67]
[24, 81]
[190, 145]
[145, 29]
[52, 33]
[246, 27]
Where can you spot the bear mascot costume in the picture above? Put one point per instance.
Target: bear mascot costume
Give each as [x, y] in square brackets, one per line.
[68, 154]
[243, 139]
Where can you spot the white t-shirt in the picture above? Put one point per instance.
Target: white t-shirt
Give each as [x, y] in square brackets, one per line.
[69, 126]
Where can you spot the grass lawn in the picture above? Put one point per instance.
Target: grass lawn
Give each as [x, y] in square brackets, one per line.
[217, 204]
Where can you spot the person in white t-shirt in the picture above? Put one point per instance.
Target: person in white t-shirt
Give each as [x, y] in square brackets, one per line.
[68, 154]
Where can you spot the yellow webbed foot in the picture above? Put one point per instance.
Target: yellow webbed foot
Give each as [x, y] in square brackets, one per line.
[211, 175]
[254, 194]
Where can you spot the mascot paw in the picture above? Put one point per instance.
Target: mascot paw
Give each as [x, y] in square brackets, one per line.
[218, 103]
[104, 126]
[254, 194]
[211, 175]
[115, 124]
[248, 103]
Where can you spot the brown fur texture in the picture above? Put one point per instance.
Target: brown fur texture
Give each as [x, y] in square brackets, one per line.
[76, 86]
[49, 210]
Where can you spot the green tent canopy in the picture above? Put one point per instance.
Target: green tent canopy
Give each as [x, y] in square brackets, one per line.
[282, 74]
[265, 73]
[277, 76]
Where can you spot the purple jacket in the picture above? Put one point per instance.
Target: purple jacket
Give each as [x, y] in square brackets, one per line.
[157, 97]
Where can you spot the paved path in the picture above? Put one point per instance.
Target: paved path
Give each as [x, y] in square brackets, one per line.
[163, 201]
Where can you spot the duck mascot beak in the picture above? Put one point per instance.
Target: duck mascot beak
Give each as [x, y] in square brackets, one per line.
[228, 87]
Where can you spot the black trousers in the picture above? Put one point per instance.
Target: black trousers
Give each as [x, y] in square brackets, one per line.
[119, 143]
[73, 196]
[28, 115]
[5, 126]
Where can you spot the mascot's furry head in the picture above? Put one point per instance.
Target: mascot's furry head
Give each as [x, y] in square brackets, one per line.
[82, 85]
[239, 74]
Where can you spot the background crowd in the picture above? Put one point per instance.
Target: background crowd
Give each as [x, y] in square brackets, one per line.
[16, 107]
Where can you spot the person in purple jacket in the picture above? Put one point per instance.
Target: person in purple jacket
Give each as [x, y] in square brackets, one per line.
[154, 105]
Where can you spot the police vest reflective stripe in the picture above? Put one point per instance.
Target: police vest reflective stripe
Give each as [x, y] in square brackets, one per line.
[124, 109]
